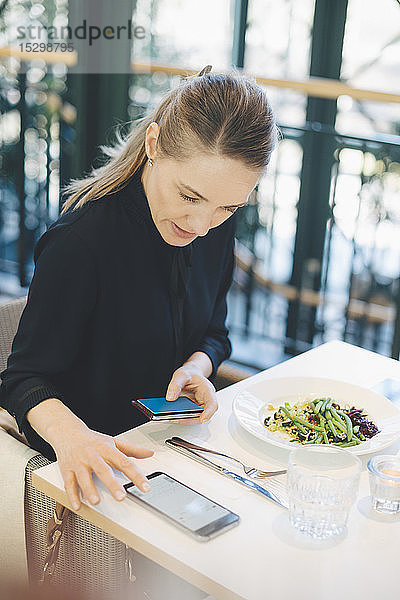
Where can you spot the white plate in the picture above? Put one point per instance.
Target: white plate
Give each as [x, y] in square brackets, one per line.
[250, 408]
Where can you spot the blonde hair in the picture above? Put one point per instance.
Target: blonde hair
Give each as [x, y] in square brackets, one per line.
[225, 114]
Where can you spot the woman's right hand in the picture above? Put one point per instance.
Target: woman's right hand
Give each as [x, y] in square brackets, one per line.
[81, 451]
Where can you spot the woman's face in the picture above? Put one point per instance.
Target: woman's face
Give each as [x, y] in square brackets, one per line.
[187, 199]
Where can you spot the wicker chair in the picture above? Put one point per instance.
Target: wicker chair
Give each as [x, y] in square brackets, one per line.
[90, 561]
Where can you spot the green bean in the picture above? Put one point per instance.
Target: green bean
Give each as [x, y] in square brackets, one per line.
[329, 404]
[297, 421]
[335, 422]
[312, 405]
[318, 406]
[356, 440]
[292, 418]
[323, 407]
[318, 439]
[332, 427]
[338, 420]
[340, 425]
[302, 429]
[325, 437]
[346, 444]
[348, 424]
[286, 412]
[307, 424]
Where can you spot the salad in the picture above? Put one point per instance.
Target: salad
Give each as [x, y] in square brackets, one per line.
[322, 421]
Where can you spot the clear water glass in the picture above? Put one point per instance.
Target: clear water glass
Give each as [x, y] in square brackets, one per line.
[384, 482]
[322, 484]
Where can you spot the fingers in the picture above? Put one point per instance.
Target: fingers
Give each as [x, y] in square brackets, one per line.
[205, 416]
[105, 473]
[194, 420]
[205, 397]
[77, 472]
[131, 450]
[71, 488]
[83, 478]
[85, 481]
[210, 409]
[124, 464]
[179, 379]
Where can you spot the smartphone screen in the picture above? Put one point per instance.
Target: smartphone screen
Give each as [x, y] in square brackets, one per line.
[184, 506]
[390, 388]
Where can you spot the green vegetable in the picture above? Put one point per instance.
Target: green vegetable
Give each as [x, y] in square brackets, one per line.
[338, 421]
[346, 444]
[319, 421]
[309, 425]
[323, 407]
[313, 441]
[318, 406]
[355, 439]
[332, 427]
[293, 418]
[348, 424]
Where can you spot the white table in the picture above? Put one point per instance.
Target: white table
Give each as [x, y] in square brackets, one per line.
[263, 557]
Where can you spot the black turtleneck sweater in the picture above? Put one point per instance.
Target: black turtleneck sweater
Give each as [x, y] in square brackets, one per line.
[101, 326]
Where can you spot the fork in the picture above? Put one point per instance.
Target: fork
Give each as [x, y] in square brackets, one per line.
[250, 471]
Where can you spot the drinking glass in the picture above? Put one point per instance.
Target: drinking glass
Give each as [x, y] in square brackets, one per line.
[384, 482]
[322, 483]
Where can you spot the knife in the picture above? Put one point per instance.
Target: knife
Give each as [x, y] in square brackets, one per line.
[243, 480]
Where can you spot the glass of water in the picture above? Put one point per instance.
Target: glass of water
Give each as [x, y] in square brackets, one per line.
[322, 483]
[384, 481]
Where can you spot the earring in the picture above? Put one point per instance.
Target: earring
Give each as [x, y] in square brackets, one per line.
[150, 162]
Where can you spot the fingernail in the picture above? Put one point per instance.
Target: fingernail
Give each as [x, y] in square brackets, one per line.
[75, 505]
[93, 499]
[120, 495]
[145, 487]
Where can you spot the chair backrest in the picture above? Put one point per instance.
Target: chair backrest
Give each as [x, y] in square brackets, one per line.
[10, 314]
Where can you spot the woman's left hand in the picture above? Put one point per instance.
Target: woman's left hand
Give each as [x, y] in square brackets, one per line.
[189, 381]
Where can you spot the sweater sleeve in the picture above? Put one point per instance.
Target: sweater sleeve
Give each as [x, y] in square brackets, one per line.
[216, 343]
[61, 297]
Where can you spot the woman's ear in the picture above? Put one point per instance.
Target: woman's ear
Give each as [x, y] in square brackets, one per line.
[152, 133]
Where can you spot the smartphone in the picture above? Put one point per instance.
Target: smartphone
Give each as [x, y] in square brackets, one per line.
[160, 409]
[390, 388]
[189, 510]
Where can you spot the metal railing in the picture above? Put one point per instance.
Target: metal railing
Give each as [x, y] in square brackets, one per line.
[351, 292]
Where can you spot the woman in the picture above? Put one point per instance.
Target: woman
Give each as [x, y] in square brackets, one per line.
[128, 297]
